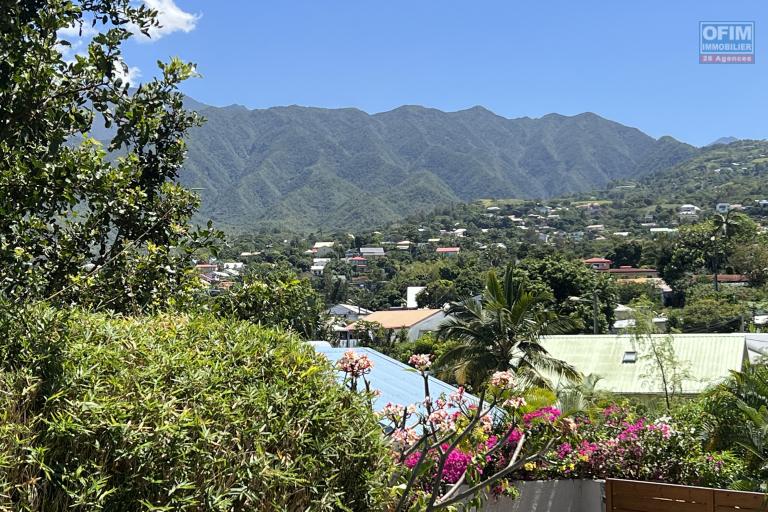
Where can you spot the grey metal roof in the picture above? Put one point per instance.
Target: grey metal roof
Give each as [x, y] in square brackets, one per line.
[708, 358]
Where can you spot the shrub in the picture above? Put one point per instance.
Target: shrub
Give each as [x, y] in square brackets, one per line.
[179, 413]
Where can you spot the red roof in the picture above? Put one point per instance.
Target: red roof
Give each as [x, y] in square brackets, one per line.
[630, 270]
[597, 260]
[732, 278]
[447, 249]
[358, 258]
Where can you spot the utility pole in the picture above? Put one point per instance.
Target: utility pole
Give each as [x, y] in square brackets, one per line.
[594, 312]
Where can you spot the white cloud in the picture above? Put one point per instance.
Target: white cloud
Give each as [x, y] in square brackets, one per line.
[171, 18]
[127, 74]
[77, 31]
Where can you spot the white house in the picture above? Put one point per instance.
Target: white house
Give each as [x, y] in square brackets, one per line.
[372, 252]
[348, 312]
[689, 209]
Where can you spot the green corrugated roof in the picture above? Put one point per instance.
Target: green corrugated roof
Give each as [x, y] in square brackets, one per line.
[708, 359]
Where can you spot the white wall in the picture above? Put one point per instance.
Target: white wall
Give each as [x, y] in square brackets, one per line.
[553, 496]
[428, 324]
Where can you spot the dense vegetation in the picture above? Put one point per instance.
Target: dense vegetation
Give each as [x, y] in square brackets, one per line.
[176, 412]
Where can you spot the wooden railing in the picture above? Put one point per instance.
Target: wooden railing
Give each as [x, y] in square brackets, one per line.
[632, 496]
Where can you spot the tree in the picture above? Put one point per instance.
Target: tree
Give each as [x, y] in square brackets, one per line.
[711, 313]
[81, 222]
[664, 368]
[565, 279]
[437, 294]
[502, 331]
[276, 298]
[751, 260]
[626, 253]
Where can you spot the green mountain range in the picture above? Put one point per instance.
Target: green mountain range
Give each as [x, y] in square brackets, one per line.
[309, 169]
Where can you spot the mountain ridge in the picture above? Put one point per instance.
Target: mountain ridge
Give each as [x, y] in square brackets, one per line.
[309, 168]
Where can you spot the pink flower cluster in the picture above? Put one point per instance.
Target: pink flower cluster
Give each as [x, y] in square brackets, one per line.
[455, 464]
[392, 412]
[632, 431]
[404, 436]
[515, 402]
[355, 365]
[442, 420]
[503, 380]
[457, 397]
[548, 414]
[421, 362]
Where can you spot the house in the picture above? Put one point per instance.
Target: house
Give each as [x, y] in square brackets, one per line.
[757, 346]
[448, 251]
[663, 231]
[348, 312]
[404, 245]
[625, 364]
[396, 382]
[624, 316]
[358, 261]
[411, 294]
[731, 279]
[318, 266]
[688, 209]
[722, 207]
[415, 321]
[372, 252]
[628, 272]
[233, 265]
[206, 268]
[321, 249]
[598, 263]
[595, 228]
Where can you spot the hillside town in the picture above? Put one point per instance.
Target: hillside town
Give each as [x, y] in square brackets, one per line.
[279, 257]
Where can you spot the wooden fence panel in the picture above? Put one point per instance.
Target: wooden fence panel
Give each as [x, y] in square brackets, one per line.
[733, 501]
[632, 496]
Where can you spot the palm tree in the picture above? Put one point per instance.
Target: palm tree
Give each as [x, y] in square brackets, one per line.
[502, 331]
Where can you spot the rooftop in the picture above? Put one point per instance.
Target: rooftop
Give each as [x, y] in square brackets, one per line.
[708, 358]
[400, 318]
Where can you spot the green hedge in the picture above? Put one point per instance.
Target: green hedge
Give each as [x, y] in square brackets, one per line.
[177, 413]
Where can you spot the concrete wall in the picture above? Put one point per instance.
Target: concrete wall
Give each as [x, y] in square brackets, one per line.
[553, 496]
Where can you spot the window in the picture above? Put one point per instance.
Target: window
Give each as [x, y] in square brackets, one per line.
[629, 357]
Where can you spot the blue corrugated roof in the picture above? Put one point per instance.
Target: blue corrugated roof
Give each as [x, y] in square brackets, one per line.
[392, 378]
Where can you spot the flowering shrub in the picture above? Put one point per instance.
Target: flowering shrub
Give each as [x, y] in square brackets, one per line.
[619, 444]
[451, 448]
[455, 448]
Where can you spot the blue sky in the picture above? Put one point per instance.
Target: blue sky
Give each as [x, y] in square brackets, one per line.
[633, 62]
